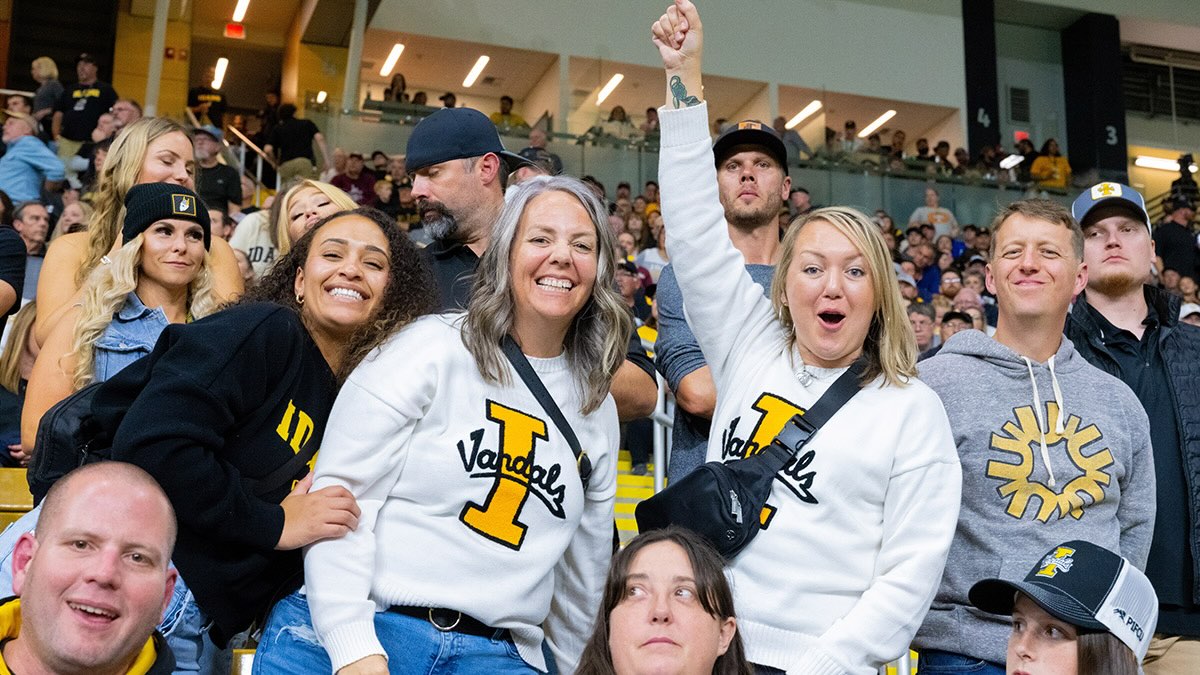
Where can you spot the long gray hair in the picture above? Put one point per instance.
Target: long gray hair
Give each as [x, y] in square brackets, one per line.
[598, 336]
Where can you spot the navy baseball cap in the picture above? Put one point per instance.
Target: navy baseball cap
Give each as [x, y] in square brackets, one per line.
[456, 133]
[750, 132]
[1085, 585]
[1103, 194]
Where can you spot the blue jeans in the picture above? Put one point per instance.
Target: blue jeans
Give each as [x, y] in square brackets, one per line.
[934, 662]
[184, 626]
[183, 622]
[414, 647]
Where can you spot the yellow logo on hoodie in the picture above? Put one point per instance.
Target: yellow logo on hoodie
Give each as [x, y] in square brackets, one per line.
[1058, 497]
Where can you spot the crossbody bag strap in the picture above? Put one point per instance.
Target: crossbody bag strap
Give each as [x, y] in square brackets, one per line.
[797, 432]
[515, 356]
[283, 475]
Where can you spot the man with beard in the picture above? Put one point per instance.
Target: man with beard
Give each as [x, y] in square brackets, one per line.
[1130, 329]
[459, 167]
[753, 183]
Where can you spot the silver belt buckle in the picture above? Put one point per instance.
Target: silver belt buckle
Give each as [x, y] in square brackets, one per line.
[444, 629]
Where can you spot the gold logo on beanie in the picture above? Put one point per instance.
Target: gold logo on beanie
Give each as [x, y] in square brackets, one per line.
[183, 205]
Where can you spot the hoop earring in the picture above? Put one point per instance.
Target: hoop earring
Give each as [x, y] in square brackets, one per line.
[299, 299]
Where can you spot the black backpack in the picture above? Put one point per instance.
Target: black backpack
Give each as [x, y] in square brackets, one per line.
[67, 438]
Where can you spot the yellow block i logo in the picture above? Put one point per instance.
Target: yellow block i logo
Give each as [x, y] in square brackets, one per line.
[497, 518]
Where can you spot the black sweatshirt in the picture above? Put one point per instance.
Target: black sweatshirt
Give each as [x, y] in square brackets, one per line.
[218, 404]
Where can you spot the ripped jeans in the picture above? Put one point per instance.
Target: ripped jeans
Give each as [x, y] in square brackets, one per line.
[183, 623]
[289, 644]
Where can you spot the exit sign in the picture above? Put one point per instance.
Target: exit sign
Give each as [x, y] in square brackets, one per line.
[236, 31]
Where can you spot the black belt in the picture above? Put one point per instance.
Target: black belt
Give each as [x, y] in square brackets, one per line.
[447, 620]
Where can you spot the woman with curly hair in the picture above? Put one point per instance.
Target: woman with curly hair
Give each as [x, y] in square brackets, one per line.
[227, 412]
[151, 150]
[158, 277]
[454, 460]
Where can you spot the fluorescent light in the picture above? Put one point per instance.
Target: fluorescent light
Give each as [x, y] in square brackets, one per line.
[239, 12]
[321, 96]
[803, 114]
[608, 88]
[1162, 163]
[219, 74]
[1011, 161]
[870, 128]
[390, 63]
[475, 71]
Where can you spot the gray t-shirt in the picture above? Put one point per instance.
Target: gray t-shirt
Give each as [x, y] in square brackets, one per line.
[678, 355]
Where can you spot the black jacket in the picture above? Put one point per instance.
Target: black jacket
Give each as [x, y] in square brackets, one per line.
[1179, 344]
[219, 405]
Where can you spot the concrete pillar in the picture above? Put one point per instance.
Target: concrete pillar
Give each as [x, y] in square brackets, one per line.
[358, 29]
[564, 93]
[158, 42]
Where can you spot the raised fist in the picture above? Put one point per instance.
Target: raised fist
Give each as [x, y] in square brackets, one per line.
[679, 36]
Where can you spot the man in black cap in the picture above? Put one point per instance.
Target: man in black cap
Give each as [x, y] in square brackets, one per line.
[219, 185]
[1131, 329]
[754, 186]
[79, 109]
[1174, 240]
[459, 167]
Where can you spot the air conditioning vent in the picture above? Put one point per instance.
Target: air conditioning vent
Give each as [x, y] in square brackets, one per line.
[1160, 56]
[1018, 105]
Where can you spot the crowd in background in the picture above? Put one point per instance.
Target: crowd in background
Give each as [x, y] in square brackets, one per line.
[233, 327]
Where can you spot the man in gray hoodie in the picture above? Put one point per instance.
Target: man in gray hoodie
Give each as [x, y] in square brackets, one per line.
[1051, 447]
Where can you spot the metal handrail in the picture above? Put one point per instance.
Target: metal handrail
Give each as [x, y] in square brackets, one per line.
[247, 143]
[250, 144]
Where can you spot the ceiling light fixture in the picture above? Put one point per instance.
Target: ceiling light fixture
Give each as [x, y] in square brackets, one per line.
[870, 128]
[391, 60]
[476, 70]
[1161, 163]
[803, 114]
[608, 88]
[239, 12]
[219, 73]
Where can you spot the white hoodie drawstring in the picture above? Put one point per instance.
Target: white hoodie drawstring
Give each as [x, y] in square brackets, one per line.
[1059, 428]
[1041, 420]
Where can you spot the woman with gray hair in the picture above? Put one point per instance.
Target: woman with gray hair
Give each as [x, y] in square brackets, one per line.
[481, 526]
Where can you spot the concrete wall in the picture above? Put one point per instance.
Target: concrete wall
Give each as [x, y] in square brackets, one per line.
[134, 35]
[1031, 58]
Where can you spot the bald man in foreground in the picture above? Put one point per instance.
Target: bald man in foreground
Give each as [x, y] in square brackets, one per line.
[93, 580]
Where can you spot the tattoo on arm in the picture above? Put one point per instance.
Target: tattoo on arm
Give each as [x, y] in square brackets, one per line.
[679, 93]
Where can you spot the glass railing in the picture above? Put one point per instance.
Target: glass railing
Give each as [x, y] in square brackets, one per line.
[861, 180]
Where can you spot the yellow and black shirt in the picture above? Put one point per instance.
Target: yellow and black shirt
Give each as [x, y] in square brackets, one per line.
[219, 405]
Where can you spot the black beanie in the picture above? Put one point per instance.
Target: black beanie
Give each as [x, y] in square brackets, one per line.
[149, 203]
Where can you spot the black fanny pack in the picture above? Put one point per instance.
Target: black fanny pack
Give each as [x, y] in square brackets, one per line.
[723, 501]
